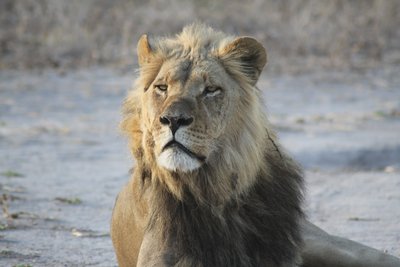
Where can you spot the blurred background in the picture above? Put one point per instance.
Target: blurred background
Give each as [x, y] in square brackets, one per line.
[331, 90]
[307, 33]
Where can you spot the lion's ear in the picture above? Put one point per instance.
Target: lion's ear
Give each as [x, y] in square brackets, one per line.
[144, 50]
[247, 54]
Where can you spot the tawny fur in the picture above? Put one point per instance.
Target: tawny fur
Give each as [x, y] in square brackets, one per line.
[242, 205]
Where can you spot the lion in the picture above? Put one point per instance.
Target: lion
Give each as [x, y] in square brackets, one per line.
[212, 186]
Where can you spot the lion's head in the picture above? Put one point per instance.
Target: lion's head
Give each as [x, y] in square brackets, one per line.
[195, 110]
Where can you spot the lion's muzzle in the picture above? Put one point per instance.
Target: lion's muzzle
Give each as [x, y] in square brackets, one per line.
[178, 113]
[174, 143]
[175, 122]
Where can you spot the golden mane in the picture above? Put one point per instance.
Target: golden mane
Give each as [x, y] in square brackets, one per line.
[243, 151]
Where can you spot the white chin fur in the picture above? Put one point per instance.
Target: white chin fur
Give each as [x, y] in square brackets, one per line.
[176, 160]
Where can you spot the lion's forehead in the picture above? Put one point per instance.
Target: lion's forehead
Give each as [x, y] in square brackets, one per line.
[177, 70]
[189, 69]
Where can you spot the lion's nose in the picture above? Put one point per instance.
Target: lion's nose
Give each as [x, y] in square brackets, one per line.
[174, 122]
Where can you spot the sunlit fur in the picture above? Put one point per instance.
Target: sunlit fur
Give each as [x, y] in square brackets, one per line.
[242, 155]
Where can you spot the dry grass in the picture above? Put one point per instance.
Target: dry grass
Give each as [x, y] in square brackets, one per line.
[304, 33]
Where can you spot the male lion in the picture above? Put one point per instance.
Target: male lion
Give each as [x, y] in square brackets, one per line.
[211, 186]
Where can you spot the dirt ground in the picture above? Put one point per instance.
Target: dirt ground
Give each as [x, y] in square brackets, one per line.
[63, 161]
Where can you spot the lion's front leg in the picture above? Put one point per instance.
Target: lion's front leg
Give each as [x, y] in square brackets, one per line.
[151, 253]
[154, 253]
[322, 249]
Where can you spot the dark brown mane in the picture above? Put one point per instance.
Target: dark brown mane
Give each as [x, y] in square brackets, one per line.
[259, 227]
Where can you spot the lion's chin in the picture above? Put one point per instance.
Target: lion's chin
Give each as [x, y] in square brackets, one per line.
[174, 159]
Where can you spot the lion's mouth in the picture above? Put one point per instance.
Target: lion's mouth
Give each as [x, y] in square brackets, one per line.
[174, 143]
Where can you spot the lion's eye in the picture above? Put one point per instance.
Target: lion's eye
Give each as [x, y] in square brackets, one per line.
[212, 90]
[161, 87]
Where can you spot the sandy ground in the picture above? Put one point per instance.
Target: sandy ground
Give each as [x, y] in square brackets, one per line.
[62, 159]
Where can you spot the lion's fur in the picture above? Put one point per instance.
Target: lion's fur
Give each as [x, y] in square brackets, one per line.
[242, 206]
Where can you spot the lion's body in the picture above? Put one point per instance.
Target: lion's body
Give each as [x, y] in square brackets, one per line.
[225, 195]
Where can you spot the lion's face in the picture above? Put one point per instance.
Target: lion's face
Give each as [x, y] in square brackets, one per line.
[188, 107]
[196, 103]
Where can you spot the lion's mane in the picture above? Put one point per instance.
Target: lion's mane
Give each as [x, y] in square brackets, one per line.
[243, 206]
